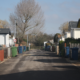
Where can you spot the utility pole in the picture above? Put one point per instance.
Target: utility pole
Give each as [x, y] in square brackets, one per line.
[27, 39]
[16, 31]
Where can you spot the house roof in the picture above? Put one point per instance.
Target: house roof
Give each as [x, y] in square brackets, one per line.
[5, 31]
[78, 25]
[72, 24]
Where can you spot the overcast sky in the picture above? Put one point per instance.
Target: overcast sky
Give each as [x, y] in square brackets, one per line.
[56, 12]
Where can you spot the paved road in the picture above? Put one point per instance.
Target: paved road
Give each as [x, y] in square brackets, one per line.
[38, 65]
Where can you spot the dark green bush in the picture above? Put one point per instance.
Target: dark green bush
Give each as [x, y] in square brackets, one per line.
[61, 48]
[71, 40]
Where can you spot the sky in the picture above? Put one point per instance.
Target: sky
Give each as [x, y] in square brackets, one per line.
[56, 12]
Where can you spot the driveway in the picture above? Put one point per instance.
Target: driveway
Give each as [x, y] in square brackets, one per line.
[38, 65]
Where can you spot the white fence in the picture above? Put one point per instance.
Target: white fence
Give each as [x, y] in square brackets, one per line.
[74, 45]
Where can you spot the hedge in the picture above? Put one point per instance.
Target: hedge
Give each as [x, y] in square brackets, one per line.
[61, 48]
[71, 40]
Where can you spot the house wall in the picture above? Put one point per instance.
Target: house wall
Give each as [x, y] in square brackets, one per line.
[2, 37]
[51, 41]
[77, 33]
[45, 43]
[7, 40]
[63, 39]
[68, 35]
[4, 40]
[72, 33]
[65, 35]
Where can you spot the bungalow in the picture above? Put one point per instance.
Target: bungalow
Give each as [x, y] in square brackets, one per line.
[67, 35]
[75, 33]
[74, 30]
[61, 39]
[45, 43]
[5, 36]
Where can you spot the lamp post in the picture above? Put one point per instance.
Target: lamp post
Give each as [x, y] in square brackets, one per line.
[16, 31]
[15, 28]
[27, 39]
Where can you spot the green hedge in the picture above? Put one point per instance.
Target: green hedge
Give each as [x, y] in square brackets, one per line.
[71, 40]
[61, 48]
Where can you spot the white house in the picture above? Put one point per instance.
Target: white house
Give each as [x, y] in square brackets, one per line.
[45, 43]
[75, 33]
[5, 37]
[74, 28]
[67, 35]
[61, 39]
[51, 41]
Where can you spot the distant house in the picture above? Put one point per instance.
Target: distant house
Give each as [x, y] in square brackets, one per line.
[74, 30]
[61, 39]
[67, 34]
[75, 33]
[45, 43]
[5, 36]
[51, 41]
[72, 24]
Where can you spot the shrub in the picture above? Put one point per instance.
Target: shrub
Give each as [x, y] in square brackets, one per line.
[61, 48]
[48, 44]
[71, 40]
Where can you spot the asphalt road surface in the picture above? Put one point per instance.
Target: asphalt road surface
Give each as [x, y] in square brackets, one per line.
[38, 65]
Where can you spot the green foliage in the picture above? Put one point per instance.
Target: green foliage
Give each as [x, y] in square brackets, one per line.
[63, 52]
[48, 44]
[39, 40]
[25, 40]
[56, 37]
[71, 40]
[61, 48]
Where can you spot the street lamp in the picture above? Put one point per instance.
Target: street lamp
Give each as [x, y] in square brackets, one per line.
[27, 40]
[16, 30]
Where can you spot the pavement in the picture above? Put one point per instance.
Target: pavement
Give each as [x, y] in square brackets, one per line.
[38, 65]
[74, 62]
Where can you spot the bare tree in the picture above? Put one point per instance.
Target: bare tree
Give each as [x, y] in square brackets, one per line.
[28, 16]
[64, 27]
[4, 24]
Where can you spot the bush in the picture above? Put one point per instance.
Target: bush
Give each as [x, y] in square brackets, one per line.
[47, 44]
[71, 40]
[61, 48]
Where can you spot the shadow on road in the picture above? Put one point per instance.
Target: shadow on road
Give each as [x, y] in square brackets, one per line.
[52, 60]
[47, 54]
[42, 75]
[61, 72]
